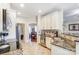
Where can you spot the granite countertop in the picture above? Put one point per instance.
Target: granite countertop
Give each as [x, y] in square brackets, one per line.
[64, 45]
[74, 35]
[76, 40]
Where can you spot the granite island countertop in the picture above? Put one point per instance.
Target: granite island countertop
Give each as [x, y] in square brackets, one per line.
[64, 45]
[73, 35]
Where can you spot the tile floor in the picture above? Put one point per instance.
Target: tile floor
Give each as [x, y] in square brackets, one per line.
[30, 49]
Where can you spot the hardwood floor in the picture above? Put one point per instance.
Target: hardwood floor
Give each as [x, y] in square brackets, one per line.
[30, 49]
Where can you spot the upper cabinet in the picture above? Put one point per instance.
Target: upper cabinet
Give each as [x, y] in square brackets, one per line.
[52, 21]
[47, 21]
[43, 22]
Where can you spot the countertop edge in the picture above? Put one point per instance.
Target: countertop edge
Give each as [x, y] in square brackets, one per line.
[63, 47]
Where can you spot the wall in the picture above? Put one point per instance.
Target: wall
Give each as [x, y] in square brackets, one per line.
[66, 28]
[11, 16]
[5, 6]
[38, 28]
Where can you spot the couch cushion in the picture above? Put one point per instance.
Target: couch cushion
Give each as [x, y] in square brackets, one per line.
[4, 46]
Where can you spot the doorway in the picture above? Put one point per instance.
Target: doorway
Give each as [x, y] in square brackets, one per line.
[33, 32]
[19, 33]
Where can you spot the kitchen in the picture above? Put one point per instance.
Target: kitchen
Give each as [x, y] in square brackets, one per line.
[54, 30]
[55, 36]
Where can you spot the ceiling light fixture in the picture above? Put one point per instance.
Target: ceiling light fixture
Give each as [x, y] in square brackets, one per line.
[21, 5]
[39, 11]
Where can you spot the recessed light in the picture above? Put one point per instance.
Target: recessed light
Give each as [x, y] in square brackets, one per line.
[19, 13]
[39, 11]
[21, 5]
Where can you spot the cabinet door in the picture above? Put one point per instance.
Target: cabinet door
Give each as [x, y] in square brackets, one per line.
[56, 50]
[48, 40]
[43, 23]
[48, 21]
[51, 21]
[53, 24]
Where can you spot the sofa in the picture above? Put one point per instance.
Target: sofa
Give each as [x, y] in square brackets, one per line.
[4, 47]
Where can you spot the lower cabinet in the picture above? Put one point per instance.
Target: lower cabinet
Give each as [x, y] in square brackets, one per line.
[77, 48]
[56, 50]
[48, 42]
[12, 46]
[12, 43]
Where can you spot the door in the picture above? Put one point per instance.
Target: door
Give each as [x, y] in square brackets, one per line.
[19, 33]
[33, 32]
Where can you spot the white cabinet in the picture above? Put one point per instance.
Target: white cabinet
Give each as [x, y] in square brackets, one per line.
[12, 46]
[56, 50]
[49, 22]
[48, 42]
[46, 22]
[42, 23]
[52, 21]
[77, 47]
[12, 43]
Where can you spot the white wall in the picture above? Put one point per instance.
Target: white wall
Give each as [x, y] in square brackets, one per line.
[66, 24]
[5, 5]
[11, 15]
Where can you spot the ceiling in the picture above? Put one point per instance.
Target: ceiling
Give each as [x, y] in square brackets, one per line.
[31, 9]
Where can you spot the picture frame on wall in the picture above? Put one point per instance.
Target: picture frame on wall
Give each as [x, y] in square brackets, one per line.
[73, 27]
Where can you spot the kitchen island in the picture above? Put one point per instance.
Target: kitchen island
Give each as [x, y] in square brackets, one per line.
[62, 48]
[58, 43]
[66, 45]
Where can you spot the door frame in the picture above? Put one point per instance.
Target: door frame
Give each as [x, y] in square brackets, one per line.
[23, 29]
[32, 24]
